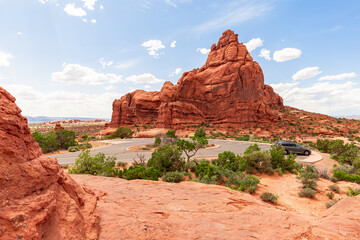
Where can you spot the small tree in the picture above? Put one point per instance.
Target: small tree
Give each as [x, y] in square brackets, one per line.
[200, 133]
[166, 158]
[169, 138]
[190, 148]
[122, 132]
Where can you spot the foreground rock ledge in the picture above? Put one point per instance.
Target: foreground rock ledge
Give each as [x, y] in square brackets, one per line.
[228, 89]
[37, 199]
[141, 209]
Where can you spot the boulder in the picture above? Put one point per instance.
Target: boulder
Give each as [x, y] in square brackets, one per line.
[38, 200]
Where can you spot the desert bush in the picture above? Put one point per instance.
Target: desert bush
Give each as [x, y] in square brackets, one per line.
[166, 158]
[190, 148]
[258, 161]
[323, 173]
[269, 197]
[84, 137]
[330, 204]
[252, 189]
[352, 192]
[174, 177]
[122, 132]
[86, 164]
[48, 142]
[169, 138]
[346, 168]
[228, 160]
[323, 145]
[141, 172]
[200, 133]
[157, 141]
[342, 175]
[139, 160]
[66, 138]
[279, 160]
[193, 166]
[308, 176]
[243, 138]
[206, 169]
[207, 180]
[74, 149]
[330, 195]
[334, 188]
[121, 164]
[252, 148]
[307, 192]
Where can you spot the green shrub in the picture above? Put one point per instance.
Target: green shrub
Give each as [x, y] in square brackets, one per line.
[243, 138]
[174, 177]
[352, 192]
[166, 158]
[258, 161]
[330, 195]
[74, 149]
[193, 166]
[252, 148]
[269, 197]
[342, 175]
[308, 176]
[157, 141]
[66, 138]
[228, 160]
[200, 133]
[206, 169]
[279, 160]
[86, 164]
[141, 172]
[121, 164]
[334, 188]
[47, 142]
[84, 137]
[252, 189]
[307, 192]
[207, 180]
[330, 204]
[122, 132]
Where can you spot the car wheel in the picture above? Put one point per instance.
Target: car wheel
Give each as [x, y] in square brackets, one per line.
[286, 152]
[306, 153]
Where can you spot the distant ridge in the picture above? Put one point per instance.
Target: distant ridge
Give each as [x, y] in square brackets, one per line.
[41, 119]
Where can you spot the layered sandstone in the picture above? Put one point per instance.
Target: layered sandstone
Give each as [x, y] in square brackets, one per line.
[228, 89]
[37, 199]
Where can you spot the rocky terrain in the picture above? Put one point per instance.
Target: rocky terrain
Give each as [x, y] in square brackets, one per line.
[37, 199]
[228, 90]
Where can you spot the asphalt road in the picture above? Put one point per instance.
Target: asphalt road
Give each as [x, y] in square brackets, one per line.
[119, 149]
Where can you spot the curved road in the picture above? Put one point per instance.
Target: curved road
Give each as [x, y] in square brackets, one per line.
[119, 149]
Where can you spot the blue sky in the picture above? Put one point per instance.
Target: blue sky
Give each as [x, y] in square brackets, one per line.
[74, 57]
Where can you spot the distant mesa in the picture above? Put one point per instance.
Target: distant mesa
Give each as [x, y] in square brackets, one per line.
[228, 89]
[37, 199]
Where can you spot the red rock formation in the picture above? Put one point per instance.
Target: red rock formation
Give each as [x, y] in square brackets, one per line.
[58, 127]
[37, 199]
[228, 89]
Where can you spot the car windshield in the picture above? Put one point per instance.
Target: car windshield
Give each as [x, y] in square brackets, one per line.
[299, 146]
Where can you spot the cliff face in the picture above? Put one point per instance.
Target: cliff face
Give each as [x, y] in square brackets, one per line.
[37, 199]
[228, 89]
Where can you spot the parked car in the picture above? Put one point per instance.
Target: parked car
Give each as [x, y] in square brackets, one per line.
[294, 148]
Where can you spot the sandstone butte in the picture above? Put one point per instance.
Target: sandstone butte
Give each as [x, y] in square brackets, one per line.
[37, 199]
[228, 90]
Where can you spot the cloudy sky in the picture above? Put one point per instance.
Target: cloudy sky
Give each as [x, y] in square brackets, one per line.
[66, 58]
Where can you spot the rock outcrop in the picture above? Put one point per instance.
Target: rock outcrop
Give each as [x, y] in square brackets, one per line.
[37, 199]
[58, 127]
[228, 89]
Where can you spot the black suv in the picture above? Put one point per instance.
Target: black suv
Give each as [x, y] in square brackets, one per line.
[294, 148]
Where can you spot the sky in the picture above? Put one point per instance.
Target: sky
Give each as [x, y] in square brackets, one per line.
[72, 58]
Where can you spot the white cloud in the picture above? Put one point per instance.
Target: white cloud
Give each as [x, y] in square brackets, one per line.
[84, 20]
[147, 86]
[233, 14]
[253, 44]
[75, 73]
[62, 104]
[320, 97]
[144, 78]
[306, 73]
[173, 44]
[101, 7]
[109, 87]
[105, 63]
[93, 20]
[89, 4]
[176, 72]
[264, 53]
[71, 10]
[5, 59]
[338, 77]
[153, 46]
[43, 1]
[173, 2]
[19, 33]
[126, 64]
[286, 54]
[203, 50]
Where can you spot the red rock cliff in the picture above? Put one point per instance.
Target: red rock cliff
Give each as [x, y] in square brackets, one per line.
[37, 199]
[228, 89]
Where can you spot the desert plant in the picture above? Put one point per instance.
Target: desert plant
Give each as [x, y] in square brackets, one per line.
[330, 204]
[86, 164]
[206, 169]
[141, 172]
[352, 192]
[157, 141]
[342, 175]
[122, 132]
[308, 176]
[258, 161]
[279, 160]
[139, 160]
[252, 148]
[228, 160]
[74, 149]
[200, 133]
[166, 158]
[269, 197]
[330, 195]
[252, 189]
[190, 148]
[334, 188]
[174, 177]
[121, 164]
[243, 138]
[323, 173]
[307, 192]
